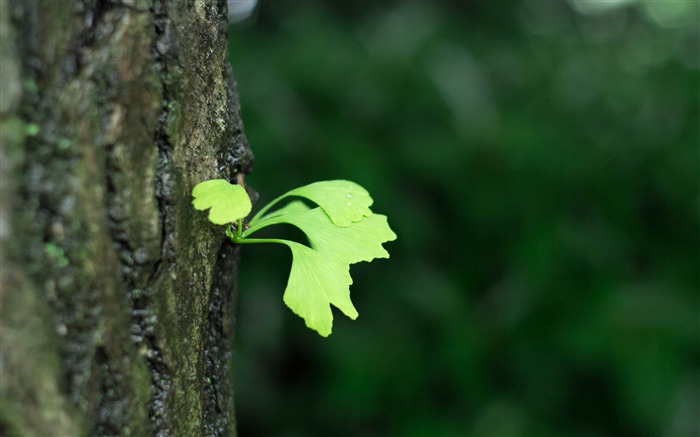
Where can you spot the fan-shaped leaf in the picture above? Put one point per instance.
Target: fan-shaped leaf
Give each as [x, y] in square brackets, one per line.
[344, 201]
[228, 202]
[315, 282]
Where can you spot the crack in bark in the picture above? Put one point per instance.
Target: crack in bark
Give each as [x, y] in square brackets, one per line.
[112, 406]
[219, 418]
[140, 284]
[161, 376]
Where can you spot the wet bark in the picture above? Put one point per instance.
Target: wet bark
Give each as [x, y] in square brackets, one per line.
[117, 303]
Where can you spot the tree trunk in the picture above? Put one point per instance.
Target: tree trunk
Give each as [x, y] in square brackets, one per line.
[117, 304]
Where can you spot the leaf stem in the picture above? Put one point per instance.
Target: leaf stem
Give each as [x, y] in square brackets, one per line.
[265, 208]
[260, 240]
[239, 228]
[262, 224]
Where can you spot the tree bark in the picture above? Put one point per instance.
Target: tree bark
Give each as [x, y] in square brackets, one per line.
[117, 302]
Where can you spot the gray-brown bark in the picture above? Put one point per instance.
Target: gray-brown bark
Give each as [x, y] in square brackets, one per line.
[117, 297]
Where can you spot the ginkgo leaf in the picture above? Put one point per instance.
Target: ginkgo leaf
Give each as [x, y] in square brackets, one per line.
[315, 282]
[320, 274]
[361, 241]
[344, 201]
[228, 202]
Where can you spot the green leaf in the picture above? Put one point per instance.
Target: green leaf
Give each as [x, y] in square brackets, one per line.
[344, 201]
[228, 202]
[320, 275]
[361, 241]
[315, 282]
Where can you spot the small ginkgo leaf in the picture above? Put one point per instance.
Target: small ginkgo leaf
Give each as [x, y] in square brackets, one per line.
[228, 202]
[315, 282]
[361, 241]
[344, 201]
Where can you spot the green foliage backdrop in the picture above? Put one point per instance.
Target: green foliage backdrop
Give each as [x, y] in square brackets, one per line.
[539, 163]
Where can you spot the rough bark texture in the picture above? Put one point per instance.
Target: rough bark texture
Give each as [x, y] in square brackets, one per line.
[117, 297]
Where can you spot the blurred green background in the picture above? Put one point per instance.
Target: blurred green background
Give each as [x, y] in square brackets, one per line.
[539, 162]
